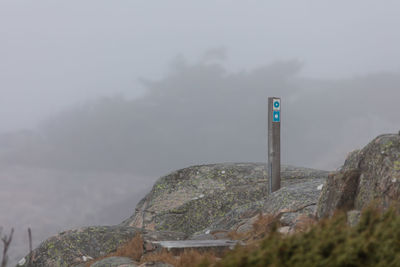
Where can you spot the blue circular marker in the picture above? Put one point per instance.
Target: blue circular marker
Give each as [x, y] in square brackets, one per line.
[276, 104]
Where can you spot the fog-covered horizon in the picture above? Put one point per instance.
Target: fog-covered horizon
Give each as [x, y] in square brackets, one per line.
[201, 112]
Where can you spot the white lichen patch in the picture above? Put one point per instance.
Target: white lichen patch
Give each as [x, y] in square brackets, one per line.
[198, 197]
[86, 258]
[394, 180]
[22, 262]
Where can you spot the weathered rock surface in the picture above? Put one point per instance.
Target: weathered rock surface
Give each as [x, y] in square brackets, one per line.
[372, 173]
[339, 192]
[292, 201]
[191, 199]
[75, 247]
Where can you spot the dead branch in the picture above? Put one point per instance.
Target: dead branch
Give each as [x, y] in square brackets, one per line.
[6, 243]
[30, 246]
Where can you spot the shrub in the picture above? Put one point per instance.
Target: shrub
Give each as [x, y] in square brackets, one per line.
[375, 241]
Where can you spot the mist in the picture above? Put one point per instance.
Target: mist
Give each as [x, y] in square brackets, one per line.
[99, 99]
[202, 113]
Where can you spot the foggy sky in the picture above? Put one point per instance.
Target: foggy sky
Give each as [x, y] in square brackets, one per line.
[54, 54]
[100, 98]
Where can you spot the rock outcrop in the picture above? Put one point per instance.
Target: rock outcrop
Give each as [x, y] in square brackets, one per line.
[369, 174]
[191, 199]
[297, 199]
[75, 247]
[198, 198]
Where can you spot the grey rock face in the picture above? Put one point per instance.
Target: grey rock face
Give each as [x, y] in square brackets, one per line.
[372, 173]
[190, 199]
[292, 201]
[340, 192]
[75, 247]
[193, 198]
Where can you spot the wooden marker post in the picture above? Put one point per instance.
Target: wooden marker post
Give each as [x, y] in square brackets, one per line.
[274, 143]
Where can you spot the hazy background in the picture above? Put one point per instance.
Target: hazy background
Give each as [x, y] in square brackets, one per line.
[100, 98]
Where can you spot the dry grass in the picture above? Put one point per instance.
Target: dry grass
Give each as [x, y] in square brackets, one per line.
[132, 249]
[264, 225]
[304, 223]
[261, 227]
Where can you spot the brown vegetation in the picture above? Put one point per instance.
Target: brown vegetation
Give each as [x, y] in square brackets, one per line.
[132, 249]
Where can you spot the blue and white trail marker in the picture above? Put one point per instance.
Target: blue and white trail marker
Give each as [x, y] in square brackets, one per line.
[274, 143]
[276, 116]
[276, 104]
[276, 108]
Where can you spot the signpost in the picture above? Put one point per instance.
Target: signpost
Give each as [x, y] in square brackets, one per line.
[274, 143]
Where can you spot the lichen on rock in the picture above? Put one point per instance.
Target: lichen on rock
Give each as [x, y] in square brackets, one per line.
[369, 174]
[292, 201]
[74, 247]
[191, 199]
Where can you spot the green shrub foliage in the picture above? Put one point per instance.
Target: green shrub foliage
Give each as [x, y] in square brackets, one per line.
[374, 241]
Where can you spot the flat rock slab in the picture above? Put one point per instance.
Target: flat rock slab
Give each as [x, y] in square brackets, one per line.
[217, 246]
[196, 243]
